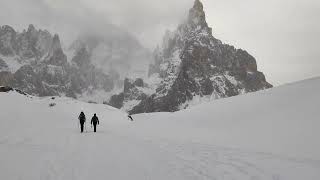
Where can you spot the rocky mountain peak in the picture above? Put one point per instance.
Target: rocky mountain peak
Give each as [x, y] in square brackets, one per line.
[7, 37]
[194, 66]
[56, 44]
[31, 28]
[33, 60]
[197, 15]
[56, 54]
[6, 28]
[198, 5]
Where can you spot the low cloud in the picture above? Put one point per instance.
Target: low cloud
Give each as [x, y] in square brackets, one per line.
[282, 34]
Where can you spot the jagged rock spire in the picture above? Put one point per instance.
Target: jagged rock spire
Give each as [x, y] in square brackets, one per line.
[198, 5]
[56, 55]
[204, 67]
[56, 45]
[31, 28]
[197, 16]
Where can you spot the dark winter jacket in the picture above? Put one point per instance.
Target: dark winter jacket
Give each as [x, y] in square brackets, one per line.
[94, 120]
[82, 118]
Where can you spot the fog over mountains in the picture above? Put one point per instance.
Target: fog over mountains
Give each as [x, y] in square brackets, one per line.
[111, 52]
[281, 34]
[174, 89]
[189, 67]
[35, 62]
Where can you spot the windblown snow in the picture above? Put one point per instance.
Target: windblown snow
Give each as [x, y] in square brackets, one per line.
[268, 135]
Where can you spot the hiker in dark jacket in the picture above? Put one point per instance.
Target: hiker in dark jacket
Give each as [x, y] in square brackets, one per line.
[82, 119]
[94, 122]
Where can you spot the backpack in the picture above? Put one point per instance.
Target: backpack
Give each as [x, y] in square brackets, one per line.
[82, 118]
[95, 120]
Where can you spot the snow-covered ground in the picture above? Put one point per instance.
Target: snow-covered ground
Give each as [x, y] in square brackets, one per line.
[268, 135]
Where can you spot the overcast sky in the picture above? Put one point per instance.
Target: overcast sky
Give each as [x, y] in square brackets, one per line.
[283, 35]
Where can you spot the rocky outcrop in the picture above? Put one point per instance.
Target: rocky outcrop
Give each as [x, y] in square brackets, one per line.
[116, 101]
[194, 64]
[5, 89]
[134, 92]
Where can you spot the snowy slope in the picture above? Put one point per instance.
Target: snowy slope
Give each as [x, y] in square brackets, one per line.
[283, 120]
[270, 135]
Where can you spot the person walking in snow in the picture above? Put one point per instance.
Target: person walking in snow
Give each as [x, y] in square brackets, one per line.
[95, 122]
[130, 117]
[82, 119]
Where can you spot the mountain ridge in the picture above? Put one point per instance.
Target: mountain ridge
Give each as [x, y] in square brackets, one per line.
[35, 62]
[190, 66]
[193, 64]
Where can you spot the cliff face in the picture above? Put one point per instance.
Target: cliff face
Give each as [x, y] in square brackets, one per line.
[195, 66]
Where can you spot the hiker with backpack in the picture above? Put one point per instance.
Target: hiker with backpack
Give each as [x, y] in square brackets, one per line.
[82, 119]
[95, 122]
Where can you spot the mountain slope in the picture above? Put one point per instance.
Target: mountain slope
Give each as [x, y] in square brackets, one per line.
[280, 120]
[265, 135]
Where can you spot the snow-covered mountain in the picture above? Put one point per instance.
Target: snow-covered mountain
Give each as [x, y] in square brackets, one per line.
[194, 67]
[35, 62]
[190, 67]
[267, 135]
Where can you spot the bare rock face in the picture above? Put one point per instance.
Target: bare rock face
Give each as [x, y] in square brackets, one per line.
[5, 89]
[87, 75]
[3, 65]
[133, 93]
[56, 55]
[32, 43]
[7, 40]
[194, 64]
[116, 101]
[6, 78]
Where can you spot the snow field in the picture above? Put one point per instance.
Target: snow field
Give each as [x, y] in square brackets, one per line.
[268, 135]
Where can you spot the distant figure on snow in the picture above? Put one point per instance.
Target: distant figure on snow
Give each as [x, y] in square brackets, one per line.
[130, 117]
[94, 122]
[82, 119]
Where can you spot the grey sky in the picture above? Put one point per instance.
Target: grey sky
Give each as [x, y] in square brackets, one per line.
[283, 35]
